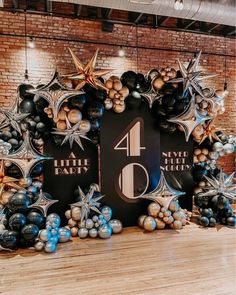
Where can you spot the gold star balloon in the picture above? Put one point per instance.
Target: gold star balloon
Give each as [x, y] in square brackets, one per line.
[72, 133]
[12, 117]
[189, 119]
[210, 131]
[88, 202]
[163, 194]
[26, 157]
[43, 203]
[191, 77]
[222, 186]
[87, 74]
[55, 93]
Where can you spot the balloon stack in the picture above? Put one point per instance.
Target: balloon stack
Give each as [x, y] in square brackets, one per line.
[213, 197]
[159, 217]
[84, 223]
[53, 234]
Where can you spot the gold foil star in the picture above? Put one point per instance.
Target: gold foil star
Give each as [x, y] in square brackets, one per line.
[163, 194]
[87, 74]
[209, 132]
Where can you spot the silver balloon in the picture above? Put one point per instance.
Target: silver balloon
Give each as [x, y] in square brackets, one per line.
[50, 247]
[39, 246]
[105, 231]
[4, 147]
[116, 226]
[141, 220]
[45, 235]
[54, 219]
[95, 218]
[54, 239]
[228, 148]
[214, 155]
[76, 213]
[107, 212]
[89, 223]
[64, 235]
[54, 232]
[81, 224]
[217, 146]
[93, 233]
[83, 233]
[38, 184]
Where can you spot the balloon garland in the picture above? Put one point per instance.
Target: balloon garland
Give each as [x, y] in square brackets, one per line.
[71, 112]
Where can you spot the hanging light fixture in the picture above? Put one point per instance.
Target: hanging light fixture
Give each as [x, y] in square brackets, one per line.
[121, 52]
[26, 75]
[31, 43]
[179, 5]
[225, 70]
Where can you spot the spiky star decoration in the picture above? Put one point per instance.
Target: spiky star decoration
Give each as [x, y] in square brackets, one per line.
[55, 93]
[12, 117]
[151, 96]
[87, 74]
[71, 133]
[6, 181]
[210, 131]
[43, 203]
[222, 186]
[26, 157]
[163, 194]
[191, 77]
[189, 119]
[87, 202]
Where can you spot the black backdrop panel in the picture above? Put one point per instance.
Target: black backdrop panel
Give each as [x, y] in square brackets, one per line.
[68, 169]
[130, 161]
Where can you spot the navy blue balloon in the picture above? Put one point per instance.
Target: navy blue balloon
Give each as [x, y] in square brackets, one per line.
[95, 110]
[29, 232]
[19, 202]
[17, 221]
[36, 218]
[9, 240]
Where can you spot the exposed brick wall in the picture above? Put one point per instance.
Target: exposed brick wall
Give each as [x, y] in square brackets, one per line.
[76, 34]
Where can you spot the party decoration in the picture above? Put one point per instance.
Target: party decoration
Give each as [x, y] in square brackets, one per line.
[87, 202]
[72, 133]
[55, 93]
[189, 119]
[151, 96]
[83, 224]
[191, 77]
[43, 203]
[87, 74]
[5, 147]
[26, 157]
[163, 194]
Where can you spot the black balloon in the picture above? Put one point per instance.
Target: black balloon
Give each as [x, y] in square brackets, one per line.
[24, 91]
[95, 110]
[133, 102]
[78, 101]
[36, 218]
[29, 232]
[13, 171]
[212, 222]
[27, 106]
[204, 221]
[19, 202]
[9, 240]
[37, 170]
[94, 125]
[198, 173]
[231, 221]
[201, 201]
[17, 221]
[129, 79]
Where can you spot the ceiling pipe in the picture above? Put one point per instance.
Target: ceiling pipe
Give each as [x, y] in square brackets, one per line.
[219, 12]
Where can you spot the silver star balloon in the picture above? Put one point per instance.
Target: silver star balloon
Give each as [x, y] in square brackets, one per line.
[163, 194]
[55, 93]
[191, 77]
[222, 186]
[43, 203]
[189, 119]
[26, 157]
[151, 96]
[12, 117]
[88, 202]
[72, 133]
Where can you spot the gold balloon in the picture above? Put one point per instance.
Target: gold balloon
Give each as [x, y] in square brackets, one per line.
[149, 223]
[205, 151]
[76, 214]
[119, 108]
[174, 206]
[85, 126]
[168, 220]
[160, 224]
[154, 209]
[177, 215]
[112, 93]
[177, 224]
[109, 84]
[74, 231]
[161, 214]
[74, 116]
[124, 91]
[197, 152]
[117, 85]
[72, 223]
[158, 83]
[167, 213]
[202, 158]
[68, 214]
[61, 115]
[166, 78]
[141, 220]
[61, 125]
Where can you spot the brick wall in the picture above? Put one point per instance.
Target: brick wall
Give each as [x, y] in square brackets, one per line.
[156, 48]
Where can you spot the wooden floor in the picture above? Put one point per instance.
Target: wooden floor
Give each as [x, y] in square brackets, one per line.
[189, 262]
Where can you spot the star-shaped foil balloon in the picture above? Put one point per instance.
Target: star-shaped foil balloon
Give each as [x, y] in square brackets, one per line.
[191, 77]
[6, 181]
[72, 133]
[163, 194]
[26, 157]
[189, 119]
[12, 117]
[87, 74]
[87, 202]
[222, 186]
[151, 96]
[55, 93]
[43, 203]
[210, 131]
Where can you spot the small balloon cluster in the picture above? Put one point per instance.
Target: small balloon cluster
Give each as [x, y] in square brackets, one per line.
[84, 223]
[213, 197]
[53, 234]
[160, 217]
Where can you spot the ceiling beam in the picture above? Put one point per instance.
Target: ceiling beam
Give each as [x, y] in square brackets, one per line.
[214, 27]
[163, 20]
[231, 32]
[48, 6]
[136, 21]
[190, 24]
[78, 9]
